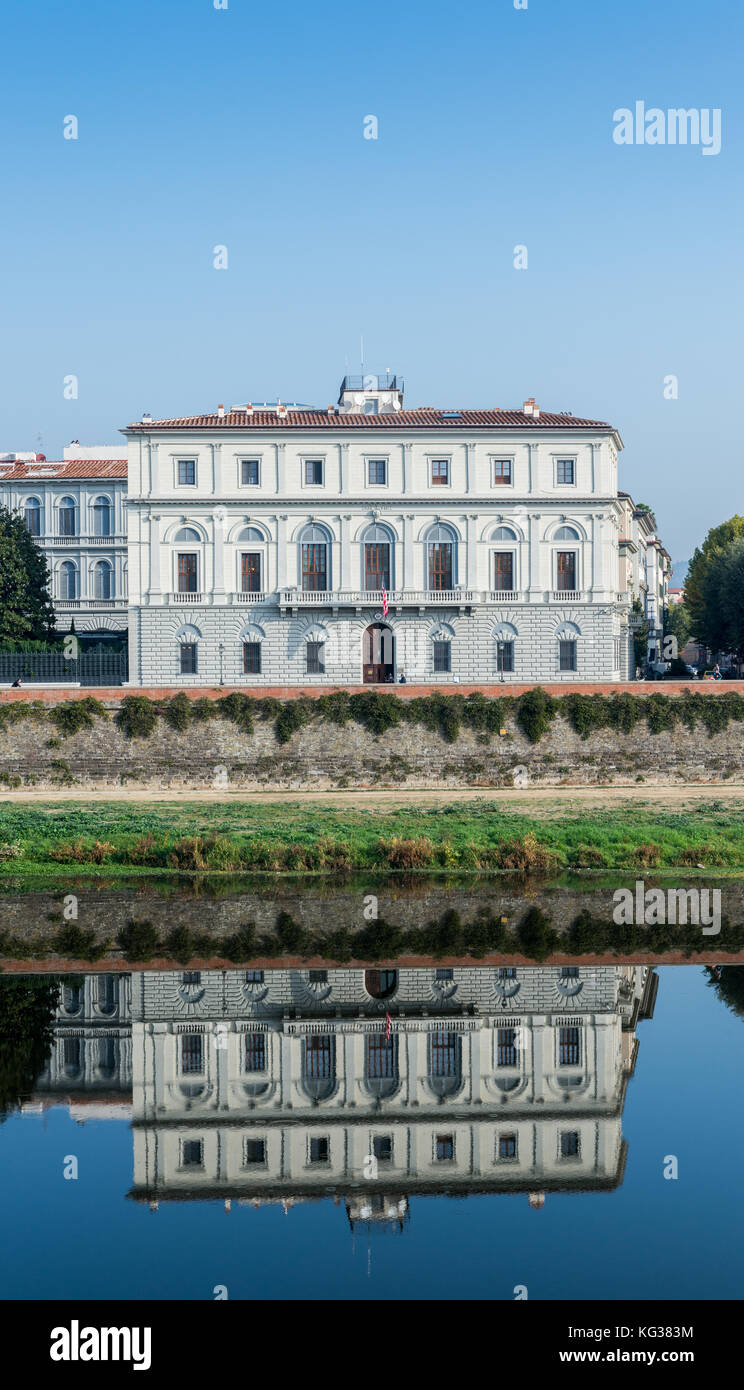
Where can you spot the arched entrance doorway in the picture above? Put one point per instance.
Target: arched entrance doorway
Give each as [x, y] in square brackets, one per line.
[378, 655]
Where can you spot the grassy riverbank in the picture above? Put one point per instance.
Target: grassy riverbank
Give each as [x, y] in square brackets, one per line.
[112, 838]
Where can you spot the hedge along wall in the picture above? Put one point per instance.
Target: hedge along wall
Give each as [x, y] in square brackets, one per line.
[373, 739]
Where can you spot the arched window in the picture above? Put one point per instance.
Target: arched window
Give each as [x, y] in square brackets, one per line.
[103, 577]
[103, 517]
[441, 554]
[251, 560]
[106, 1063]
[188, 536]
[377, 555]
[67, 522]
[314, 557]
[566, 533]
[251, 535]
[445, 1063]
[33, 515]
[504, 533]
[72, 998]
[187, 571]
[106, 992]
[68, 581]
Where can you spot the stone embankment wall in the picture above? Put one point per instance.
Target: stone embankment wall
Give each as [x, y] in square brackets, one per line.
[217, 753]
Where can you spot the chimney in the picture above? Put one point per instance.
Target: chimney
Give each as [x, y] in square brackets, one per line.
[221, 411]
[281, 409]
[527, 407]
[331, 410]
[249, 408]
[147, 418]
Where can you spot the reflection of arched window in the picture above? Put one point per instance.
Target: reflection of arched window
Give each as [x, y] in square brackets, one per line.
[377, 559]
[441, 553]
[68, 583]
[72, 1058]
[106, 994]
[445, 1063]
[103, 517]
[319, 1065]
[314, 556]
[72, 998]
[381, 984]
[381, 1069]
[103, 575]
[106, 1062]
[33, 515]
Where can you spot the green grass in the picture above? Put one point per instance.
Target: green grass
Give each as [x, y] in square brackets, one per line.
[109, 838]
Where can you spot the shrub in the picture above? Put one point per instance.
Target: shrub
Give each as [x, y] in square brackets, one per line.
[525, 856]
[535, 712]
[177, 712]
[376, 711]
[407, 854]
[73, 715]
[239, 709]
[137, 717]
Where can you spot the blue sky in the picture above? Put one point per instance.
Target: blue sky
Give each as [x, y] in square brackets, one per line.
[244, 127]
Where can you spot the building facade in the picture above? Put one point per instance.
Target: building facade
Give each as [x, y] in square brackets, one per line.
[283, 544]
[75, 510]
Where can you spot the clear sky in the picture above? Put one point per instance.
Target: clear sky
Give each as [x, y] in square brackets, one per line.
[244, 127]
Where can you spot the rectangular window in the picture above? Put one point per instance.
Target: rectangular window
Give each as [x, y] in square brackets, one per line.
[503, 570]
[191, 977]
[444, 973]
[570, 1145]
[565, 569]
[187, 574]
[317, 977]
[507, 1146]
[502, 472]
[33, 518]
[193, 1153]
[506, 1047]
[376, 566]
[507, 972]
[314, 568]
[569, 1047]
[565, 471]
[187, 472]
[440, 565]
[192, 1053]
[377, 472]
[442, 656]
[67, 521]
[249, 472]
[187, 658]
[567, 655]
[569, 972]
[382, 1148]
[313, 472]
[371, 407]
[255, 1052]
[315, 653]
[319, 1150]
[254, 1151]
[444, 1147]
[444, 1058]
[251, 658]
[440, 472]
[254, 977]
[505, 657]
[250, 572]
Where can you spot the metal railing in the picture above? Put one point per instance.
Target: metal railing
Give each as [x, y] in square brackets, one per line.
[54, 668]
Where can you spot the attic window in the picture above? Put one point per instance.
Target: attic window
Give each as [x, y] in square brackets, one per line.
[370, 407]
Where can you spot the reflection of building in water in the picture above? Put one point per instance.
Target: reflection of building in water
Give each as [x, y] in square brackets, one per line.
[278, 1085]
[90, 1064]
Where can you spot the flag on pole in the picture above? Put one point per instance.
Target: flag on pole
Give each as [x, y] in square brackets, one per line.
[384, 601]
[388, 1026]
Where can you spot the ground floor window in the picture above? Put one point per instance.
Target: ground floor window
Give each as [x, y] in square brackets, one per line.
[187, 657]
[505, 656]
[442, 656]
[252, 658]
[567, 655]
[315, 657]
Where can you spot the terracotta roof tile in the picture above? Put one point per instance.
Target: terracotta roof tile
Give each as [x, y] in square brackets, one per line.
[75, 468]
[424, 419]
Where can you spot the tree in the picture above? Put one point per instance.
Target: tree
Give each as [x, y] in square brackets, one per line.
[726, 584]
[26, 610]
[27, 1006]
[677, 624]
[701, 598]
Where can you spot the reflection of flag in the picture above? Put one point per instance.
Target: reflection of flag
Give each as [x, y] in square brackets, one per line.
[388, 1022]
[384, 601]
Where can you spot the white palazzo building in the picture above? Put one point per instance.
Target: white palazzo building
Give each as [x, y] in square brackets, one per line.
[288, 545]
